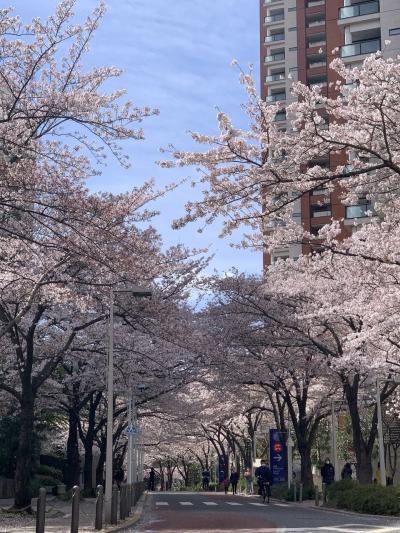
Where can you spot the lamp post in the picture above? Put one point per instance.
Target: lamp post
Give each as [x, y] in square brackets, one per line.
[138, 292]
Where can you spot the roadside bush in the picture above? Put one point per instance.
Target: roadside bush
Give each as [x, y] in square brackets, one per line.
[49, 471]
[47, 481]
[372, 499]
[281, 492]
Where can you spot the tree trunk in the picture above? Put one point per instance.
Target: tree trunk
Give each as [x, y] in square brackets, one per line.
[306, 464]
[73, 460]
[100, 466]
[88, 468]
[23, 472]
[362, 449]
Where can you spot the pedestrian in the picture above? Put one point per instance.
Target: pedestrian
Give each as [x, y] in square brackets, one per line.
[205, 479]
[226, 483]
[377, 478]
[119, 477]
[152, 479]
[328, 472]
[347, 472]
[248, 476]
[234, 481]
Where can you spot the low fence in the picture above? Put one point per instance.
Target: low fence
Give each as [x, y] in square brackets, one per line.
[123, 501]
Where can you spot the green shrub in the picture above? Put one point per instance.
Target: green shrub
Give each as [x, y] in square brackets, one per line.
[49, 471]
[281, 492]
[47, 481]
[372, 499]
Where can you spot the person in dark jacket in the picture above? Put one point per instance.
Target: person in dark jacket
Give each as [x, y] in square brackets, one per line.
[152, 479]
[205, 479]
[347, 472]
[264, 476]
[234, 481]
[328, 472]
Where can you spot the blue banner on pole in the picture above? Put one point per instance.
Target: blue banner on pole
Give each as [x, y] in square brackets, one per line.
[221, 468]
[278, 455]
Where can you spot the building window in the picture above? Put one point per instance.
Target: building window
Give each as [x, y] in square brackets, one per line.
[360, 210]
[315, 229]
[293, 28]
[322, 210]
[394, 31]
[323, 163]
[320, 190]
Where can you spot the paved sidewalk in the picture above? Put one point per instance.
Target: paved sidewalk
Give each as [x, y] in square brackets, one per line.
[58, 517]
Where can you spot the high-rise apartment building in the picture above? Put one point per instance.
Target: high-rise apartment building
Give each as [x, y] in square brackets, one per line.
[298, 39]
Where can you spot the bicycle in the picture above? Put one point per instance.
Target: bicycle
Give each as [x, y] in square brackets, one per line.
[265, 491]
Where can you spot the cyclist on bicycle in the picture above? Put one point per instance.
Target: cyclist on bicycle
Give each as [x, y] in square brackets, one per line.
[264, 479]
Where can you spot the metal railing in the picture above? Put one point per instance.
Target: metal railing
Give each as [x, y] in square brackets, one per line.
[274, 18]
[275, 37]
[359, 10]
[314, 23]
[275, 57]
[278, 97]
[276, 77]
[368, 46]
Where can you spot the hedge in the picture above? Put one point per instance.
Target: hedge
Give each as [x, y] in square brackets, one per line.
[281, 492]
[372, 499]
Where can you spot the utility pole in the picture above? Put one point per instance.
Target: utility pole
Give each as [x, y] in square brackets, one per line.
[382, 465]
[334, 442]
[110, 412]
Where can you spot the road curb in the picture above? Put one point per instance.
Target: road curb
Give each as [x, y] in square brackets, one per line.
[339, 511]
[131, 521]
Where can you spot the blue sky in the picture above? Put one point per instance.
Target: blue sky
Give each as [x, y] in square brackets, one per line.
[176, 56]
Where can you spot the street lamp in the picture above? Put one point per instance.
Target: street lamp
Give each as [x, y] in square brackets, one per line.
[137, 292]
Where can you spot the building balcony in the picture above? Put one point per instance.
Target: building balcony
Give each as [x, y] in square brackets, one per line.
[359, 10]
[317, 64]
[275, 37]
[274, 18]
[369, 46]
[316, 23]
[277, 97]
[273, 2]
[275, 57]
[279, 76]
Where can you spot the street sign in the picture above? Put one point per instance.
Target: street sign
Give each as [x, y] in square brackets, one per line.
[131, 430]
[278, 455]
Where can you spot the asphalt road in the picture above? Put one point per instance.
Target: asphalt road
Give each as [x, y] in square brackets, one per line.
[202, 512]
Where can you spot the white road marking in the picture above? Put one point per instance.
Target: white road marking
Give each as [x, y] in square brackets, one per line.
[161, 503]
[258, 504]
[210, 503]
[281, 504]
[234, 503]
[186, 503]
